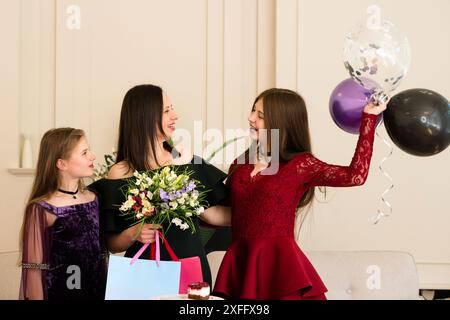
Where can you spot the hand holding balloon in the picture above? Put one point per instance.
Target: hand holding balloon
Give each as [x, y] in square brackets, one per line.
[375, 109]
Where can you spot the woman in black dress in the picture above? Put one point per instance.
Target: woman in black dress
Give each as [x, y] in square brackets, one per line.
[147, 122]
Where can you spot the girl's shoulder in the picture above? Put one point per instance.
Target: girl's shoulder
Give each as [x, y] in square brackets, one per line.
[302, 156]
[38, 207]
[54, 203]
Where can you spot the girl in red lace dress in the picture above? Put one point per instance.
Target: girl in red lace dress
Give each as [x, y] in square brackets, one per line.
[264, 260]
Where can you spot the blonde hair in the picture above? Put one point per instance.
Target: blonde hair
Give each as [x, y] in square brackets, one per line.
[56, 144]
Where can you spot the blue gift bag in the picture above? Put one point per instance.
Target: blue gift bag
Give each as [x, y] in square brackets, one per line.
[142, 279]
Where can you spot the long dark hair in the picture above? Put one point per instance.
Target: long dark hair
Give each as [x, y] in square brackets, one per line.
[285, 110]
[140, 122]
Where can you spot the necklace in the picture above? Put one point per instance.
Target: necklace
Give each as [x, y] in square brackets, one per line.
[264, 157]
[73, 194]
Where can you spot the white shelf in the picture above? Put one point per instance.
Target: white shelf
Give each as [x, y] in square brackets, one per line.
[22, 171]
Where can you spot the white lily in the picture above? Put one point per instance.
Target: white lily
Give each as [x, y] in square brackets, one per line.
[173, 204]
[177, 221]
[184, 226]
[127, 204]
[193, 203]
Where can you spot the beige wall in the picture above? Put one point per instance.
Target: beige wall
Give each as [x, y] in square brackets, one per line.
[310, 38]
[205, 54]
[213, 57]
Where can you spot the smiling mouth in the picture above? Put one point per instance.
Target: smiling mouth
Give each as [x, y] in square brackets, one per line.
[172, 126]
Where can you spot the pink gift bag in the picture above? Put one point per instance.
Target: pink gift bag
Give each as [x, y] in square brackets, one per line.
[191, 268]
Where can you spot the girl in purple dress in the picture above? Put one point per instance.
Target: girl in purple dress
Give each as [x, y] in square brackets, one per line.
[62, 255]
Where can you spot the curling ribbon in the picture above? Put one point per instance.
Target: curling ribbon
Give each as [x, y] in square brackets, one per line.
[382, 213]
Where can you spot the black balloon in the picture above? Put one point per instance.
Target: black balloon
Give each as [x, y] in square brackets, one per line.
[418, 121]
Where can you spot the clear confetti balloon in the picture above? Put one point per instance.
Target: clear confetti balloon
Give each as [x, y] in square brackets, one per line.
[377, 57]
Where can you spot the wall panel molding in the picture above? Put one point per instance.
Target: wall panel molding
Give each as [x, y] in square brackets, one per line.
[37, 69]
[287, 44]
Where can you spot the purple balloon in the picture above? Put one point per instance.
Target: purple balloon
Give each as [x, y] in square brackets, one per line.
[347, 104]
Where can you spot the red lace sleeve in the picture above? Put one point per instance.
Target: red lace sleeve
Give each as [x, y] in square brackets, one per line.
[317, 173]
[35, 250]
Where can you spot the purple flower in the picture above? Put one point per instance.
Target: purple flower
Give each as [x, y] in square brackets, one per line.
[163, 195]
[191, 186]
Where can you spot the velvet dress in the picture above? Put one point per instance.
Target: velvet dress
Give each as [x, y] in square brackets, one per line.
[66, 260]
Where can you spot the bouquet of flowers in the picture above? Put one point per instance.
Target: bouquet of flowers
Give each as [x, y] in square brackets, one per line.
[163, 196]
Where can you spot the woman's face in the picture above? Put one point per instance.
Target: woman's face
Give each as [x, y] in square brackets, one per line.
[81, 161]
[169, 118]
[256, 121]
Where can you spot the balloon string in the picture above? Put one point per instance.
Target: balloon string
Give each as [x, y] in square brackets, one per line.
[381, 213]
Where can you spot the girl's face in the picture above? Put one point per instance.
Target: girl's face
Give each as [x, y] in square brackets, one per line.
[256, 121]
[81, 161]
[169, 117]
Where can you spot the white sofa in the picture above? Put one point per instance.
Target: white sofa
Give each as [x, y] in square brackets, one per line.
[347, 274]
[358, 275]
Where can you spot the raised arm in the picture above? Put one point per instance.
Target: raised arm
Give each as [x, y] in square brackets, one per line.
[319, 173]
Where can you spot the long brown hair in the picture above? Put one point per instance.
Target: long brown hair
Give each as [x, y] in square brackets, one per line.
[140, 120]
[55, 144]
[285, 110]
